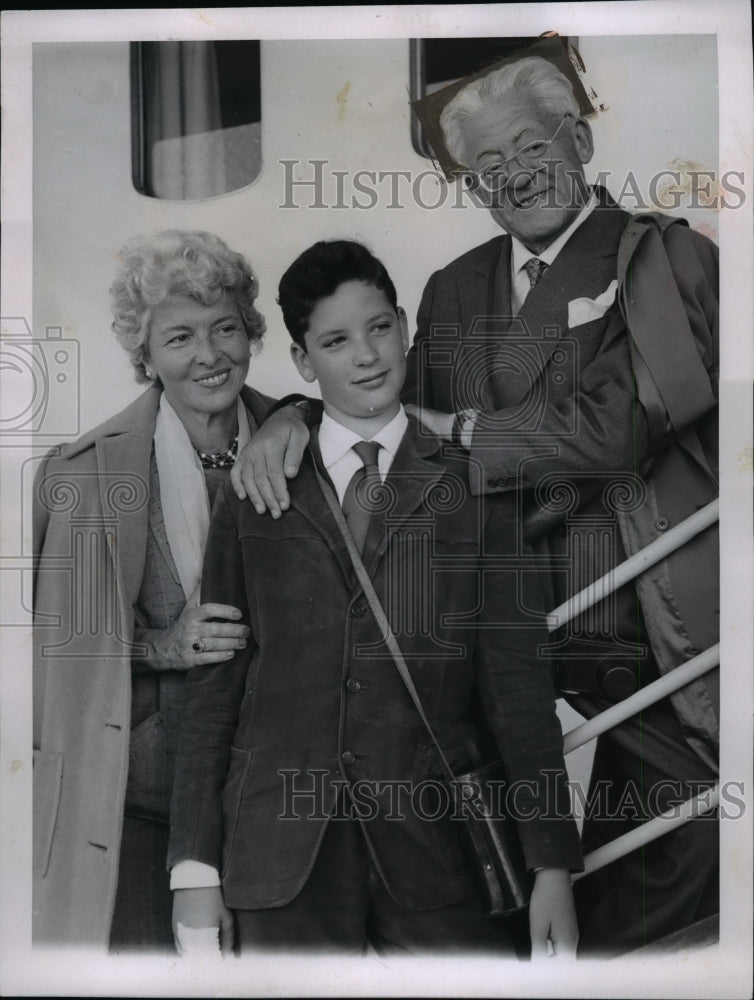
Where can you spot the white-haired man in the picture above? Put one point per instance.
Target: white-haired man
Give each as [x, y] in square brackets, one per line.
[576, 358]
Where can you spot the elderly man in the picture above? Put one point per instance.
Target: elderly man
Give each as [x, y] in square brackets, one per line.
[576, 359]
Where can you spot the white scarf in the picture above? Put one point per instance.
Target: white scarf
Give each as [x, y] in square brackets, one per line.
[183, 493]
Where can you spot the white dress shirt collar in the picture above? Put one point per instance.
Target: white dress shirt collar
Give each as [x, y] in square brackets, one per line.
[341, 461]
[520, 285]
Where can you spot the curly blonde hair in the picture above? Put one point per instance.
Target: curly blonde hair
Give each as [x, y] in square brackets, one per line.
[178, 262]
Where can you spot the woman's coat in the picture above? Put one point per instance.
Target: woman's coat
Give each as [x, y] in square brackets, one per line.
[90, 534]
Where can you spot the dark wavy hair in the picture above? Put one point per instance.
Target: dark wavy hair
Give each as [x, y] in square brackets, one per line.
[177, 262]
[319, 271]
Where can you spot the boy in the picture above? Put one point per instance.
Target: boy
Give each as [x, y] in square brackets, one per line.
[307, 777]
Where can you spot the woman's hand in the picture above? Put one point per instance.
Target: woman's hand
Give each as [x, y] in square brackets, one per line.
[274, 452]
[196, 638]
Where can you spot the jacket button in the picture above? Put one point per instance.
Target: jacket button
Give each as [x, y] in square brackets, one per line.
[359, 610]
[347, 757]
[353, 685]
[662, 524]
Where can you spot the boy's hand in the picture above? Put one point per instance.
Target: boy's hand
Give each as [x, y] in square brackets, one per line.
[274, 452]
[552, 915]
[200, 909]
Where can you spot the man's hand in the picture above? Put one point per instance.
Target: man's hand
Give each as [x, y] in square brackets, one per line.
[203, 909]
[552, 915]
[440, 424]
[274, 452]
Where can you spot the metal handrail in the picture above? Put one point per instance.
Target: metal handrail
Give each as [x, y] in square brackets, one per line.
[649, 695]
[656, 827]
[628, 570]
[665, 685]
[659, 825]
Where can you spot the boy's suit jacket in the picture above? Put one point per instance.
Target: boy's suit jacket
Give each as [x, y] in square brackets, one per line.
[315, 702]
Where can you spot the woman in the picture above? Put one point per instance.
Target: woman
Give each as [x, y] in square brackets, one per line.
[120, 523]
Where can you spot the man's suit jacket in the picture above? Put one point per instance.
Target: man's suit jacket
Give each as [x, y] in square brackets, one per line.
[315, 702]
[551, 397]
[574, 405]
[90, 541]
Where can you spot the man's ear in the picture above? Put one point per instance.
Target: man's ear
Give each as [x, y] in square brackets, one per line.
[582, 139]
[301, 361]
[403, 322]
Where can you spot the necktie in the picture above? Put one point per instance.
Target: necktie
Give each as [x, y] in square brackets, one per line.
[535, 268]
[356, 498]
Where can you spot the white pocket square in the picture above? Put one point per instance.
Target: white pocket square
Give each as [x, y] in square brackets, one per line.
[585, 310]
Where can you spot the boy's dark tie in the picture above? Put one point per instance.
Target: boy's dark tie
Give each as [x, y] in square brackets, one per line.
[355, 502]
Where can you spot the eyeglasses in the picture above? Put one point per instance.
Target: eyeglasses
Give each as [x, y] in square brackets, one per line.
[531, 158]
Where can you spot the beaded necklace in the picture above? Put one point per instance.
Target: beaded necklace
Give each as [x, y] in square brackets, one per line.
[219, 459]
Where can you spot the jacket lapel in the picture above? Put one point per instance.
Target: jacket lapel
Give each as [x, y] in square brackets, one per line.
[306, 497]
[497, 324]
[123, 447]
[257, 405]
[483, 305]
[123, 457]
[411, 479]
[583, 269]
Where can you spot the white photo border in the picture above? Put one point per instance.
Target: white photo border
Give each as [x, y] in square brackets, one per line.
[721, 971]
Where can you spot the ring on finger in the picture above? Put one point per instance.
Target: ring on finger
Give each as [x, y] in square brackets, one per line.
[199, 646]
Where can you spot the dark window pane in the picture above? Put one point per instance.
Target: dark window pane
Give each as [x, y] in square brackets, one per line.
[448, 59]
[436, 63]
[238, 76]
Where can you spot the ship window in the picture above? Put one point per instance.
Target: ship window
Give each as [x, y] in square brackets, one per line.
[196, 118]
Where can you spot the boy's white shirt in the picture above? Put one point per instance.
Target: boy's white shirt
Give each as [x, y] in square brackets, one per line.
[341, 461]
